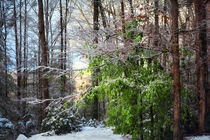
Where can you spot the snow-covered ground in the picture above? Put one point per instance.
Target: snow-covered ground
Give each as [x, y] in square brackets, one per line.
[87, 133]
[198, 138]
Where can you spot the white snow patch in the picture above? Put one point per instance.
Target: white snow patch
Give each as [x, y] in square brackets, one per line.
[22, 137]
[198, 138]
[87, 133]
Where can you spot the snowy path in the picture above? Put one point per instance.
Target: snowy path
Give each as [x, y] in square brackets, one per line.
[198, 138]
[87, 133]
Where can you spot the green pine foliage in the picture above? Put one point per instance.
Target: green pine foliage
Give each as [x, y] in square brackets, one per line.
[132, 91]
[138, 92]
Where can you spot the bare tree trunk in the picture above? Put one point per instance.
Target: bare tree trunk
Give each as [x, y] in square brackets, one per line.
[165, 26]
[61, 30]
[25, 47]
[65, 39]
[44, 52]
[201, 60]
[5, 50]
[20, 47]
[95, 41]
[47, 27]
[115, 19]
[61, 55]
[65, 42]
[103, 17]
[123, 18]
[96, 19]
[131, 8]
[156, 23]
[51, 43]
[176, 70]
[208, 53]
[39, 91]
[17, 50]
[24, 84]
[102, 14]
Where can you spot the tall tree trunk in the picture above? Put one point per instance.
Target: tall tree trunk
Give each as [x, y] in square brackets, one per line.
[25, 59]
[201, 60]
[47, 27]
[1, 24]
[17, 49]
[51, 42]
[102, 14]
[123, 19]
[208, 52]
[95, 41]
[115, 19]
[44, 52]
[156, 23]
[25, 47]
[176, 70]
[165, 26]
[65, 31]
[131, 8]
[20, 47]
[96, 19]
[61, 31]
[61, 55]
[65, 39]
[5, 50]
[39, 91]
[103, 17]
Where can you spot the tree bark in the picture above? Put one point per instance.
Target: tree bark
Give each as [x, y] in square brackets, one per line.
[17, 50]
[25, 47]
[47, 28]
[165, 26]
[95, 19]
[176, 70]
[208, 52]
[5, 50]
[131, 8]
[65, 31]
[201, 60]
[65, 40]
[123, 19]
[102, 14]
[156, 23]
[103, 17]
[95, 41]
[44, 52]
[39, 91]
[20, 47]
[62, 54]
[61, 30]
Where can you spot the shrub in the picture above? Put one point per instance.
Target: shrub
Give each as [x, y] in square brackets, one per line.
[62, 119]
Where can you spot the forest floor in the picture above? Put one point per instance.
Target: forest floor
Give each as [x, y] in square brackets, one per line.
[91, 133]
[87, 133]
[198, 138]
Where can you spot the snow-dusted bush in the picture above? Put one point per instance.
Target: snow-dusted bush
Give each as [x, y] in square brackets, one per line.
[62, 119]
[6, 128]
[5, 123]
[93, 123]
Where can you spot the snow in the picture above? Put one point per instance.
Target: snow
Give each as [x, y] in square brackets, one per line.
[22, 137]
[4, 122]
[198, 138]
[9, 125]
[87, 133]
